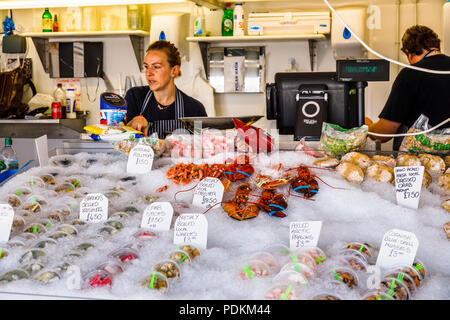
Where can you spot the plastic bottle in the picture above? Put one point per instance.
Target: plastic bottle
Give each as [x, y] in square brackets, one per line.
[199, 22]
[46, 21]
[55, 24]
[135, 17]
[238, 20]
[71, 102]
[60, 95]
[227, 21]
[8, 155]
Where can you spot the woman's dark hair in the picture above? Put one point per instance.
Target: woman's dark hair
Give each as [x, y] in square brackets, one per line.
[173, 55]
[418, 38]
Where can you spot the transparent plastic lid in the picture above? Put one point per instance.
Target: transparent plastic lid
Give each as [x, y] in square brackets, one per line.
[169, 268]
[395, 288]
[421, 267]
[110, 266]
[65, 160]
[412, 272]
[180, 256]
[282, 292]
[376, 295]
[190, 249]
[156, 281]
[13, 275]
[35, 228]
[364, 248]
[48, 178]
[268, 259]
[326, 296]
[48, 276]
[290, 277]
[70, 229]
[34, 182]
[64, 188]
[45, 243]
[124, 254]
[97, 279]
[33, 254]
[144, 234]
[345, 275]
[254, 268]
[353, 261]
[402, 276]
[13, 200]
[278, 250]
[302, 257]
[315, 252]
[306, 271]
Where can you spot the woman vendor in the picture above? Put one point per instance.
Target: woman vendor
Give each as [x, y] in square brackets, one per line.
[158, 106]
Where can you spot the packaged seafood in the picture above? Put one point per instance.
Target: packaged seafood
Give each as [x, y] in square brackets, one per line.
[253, 268]
[282, 292]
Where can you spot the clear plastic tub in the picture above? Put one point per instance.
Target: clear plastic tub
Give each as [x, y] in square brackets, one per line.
[112, 267]
[315, 252]
[35, 228]
[254, 268]
[69, 229]
[144, 235]
[345, 275]
[180, 256]
[268, 259]
[412, 272]
[282, 292]
[33, 268]
[107, 230]
[192, 251]
[64, 187]
[156, 281]
[59, 235]
[48, 276]
[45, 243]
[35, 182]
[124, 254]
[32, 207]
[326, 296]
[395, 288]
[48, 194]
[83, 246]
[364, 248]
[353, 261]
[120, 215]
[306, 271]
[55, 217]
[376, 295]
[303, 257]
[169, 268]
[14, 200]
[401, 276]
[97, 279]
[23, 191]
[74, 181]
[13, 275]
[48, 178]
[290, 277]
[18, 224]
[115, 224]
[65, 160]
[278, 250]
[63, 209]
[423, 270]
[33, 254]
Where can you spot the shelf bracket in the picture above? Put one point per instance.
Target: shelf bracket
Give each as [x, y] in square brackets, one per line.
[204, 50]
[312, 53]
[42, 48]
[138, 47]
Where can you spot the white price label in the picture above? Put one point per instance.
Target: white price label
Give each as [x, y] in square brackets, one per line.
[140, 159]
[397, 247]
[208, 192]
[191, 228]
[94, 208]
[304, 234]
[6, 220]
[157, 216]
[408, 183]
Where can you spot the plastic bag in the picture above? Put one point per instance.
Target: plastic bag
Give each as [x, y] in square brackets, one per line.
[337, 141]
[434, 142]
[126, 145]
[111, 133]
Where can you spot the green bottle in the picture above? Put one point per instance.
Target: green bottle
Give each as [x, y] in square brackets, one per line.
[227, 21]
[46, 21]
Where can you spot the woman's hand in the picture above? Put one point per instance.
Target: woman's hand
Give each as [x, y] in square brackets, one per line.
[139, 123]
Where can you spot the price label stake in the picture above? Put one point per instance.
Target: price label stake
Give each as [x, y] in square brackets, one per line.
[140, 159]
[304, 234]
[208, 192]
[408, 183]
[6, 221]
[94, 208]
[157, 216]
[191, 228]
[397, 247]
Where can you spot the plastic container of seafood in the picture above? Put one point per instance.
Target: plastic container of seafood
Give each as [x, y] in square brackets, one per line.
[180, 256]
[290, 277]
[401, 276]
[282, 292]
[115, 224]
[48, 178]
[364, 248]
[353, 261]
[3, 253]
[135, 245]
[326, 296]
[48, 194]
[64, 187]
[169, 268]
[302, 257]
[35, 228]
[191, 250]
[376, 295]
[23, 191]
[13, 275]
[65, 160]
[69, 229]
[254, 268]
[395, 288]
[63, 209]
[110, 266]
[412, 272]
[315, 252]
[156, 281]
[144, 235]
[16, 242]
[97, 279]
[35, 182]
[301, 268]
[120, 215]
[107, 230]
[48, 276]
[75, 181]
[59, 235]
[32, 207]
[423, 270]
[55, 217]
[279, 251]
[13, 200]
[83, 246]
[33, 254]
[268, 259]
[45, 243]
[345, 275]
[125, 255]
[18, 224]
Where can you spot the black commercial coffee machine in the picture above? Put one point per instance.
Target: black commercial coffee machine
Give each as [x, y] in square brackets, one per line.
[301, 101]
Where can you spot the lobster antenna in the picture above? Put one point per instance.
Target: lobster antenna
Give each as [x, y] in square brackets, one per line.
[328, 184]
[175, 195]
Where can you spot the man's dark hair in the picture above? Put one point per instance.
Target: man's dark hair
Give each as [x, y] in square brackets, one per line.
[418, 38]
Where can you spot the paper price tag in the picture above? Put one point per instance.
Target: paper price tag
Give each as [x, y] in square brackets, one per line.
[157, 216]
[191, 228]
[140, 159]
[408, 183]
[6, 220]
[397, 247]
[94, 208]
[304, 234]
[208, 192]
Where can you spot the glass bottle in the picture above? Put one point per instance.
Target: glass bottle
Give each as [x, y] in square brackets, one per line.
[46, 21]
[56, 24]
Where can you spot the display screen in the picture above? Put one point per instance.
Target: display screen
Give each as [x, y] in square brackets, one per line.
[362, 70]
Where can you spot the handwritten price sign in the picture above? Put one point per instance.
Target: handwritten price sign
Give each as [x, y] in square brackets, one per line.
[140, 159]
[94, 208]
[304, 234]
[397, 247]
[157, 216]
[6, 220]
[191, 228]
[208, 192]
[408, 183]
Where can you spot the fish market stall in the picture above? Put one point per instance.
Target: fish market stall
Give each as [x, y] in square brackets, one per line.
[53, 252]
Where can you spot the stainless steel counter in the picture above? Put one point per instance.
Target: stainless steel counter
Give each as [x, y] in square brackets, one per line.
[53, 128]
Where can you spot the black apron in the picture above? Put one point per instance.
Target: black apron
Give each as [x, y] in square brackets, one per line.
[164, 126]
